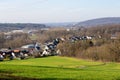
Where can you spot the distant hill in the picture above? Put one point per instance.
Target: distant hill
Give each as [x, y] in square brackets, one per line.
[61, 24]
[99, 21]
[14, 26]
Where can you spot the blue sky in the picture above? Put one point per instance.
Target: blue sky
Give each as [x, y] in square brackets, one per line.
[45, 11]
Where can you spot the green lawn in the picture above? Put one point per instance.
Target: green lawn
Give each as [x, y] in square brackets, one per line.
[55, 67]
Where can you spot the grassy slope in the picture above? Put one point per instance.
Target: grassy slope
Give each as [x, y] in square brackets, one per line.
[59, 68]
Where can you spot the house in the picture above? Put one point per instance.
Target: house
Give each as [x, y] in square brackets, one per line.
[30, 46]
[113, 37]
[17, 31]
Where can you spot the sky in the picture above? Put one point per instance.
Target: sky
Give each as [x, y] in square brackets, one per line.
[49, 11]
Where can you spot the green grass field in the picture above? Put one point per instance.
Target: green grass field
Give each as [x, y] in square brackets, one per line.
[57, 68]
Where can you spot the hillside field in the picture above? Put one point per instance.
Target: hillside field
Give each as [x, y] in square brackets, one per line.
[58, 68]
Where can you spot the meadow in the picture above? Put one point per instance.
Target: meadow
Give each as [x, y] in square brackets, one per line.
[58, 68]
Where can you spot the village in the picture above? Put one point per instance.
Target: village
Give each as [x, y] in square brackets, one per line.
[37, 50]
[30, 50]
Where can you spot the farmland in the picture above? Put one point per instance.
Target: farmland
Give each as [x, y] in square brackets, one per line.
[56, 67]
